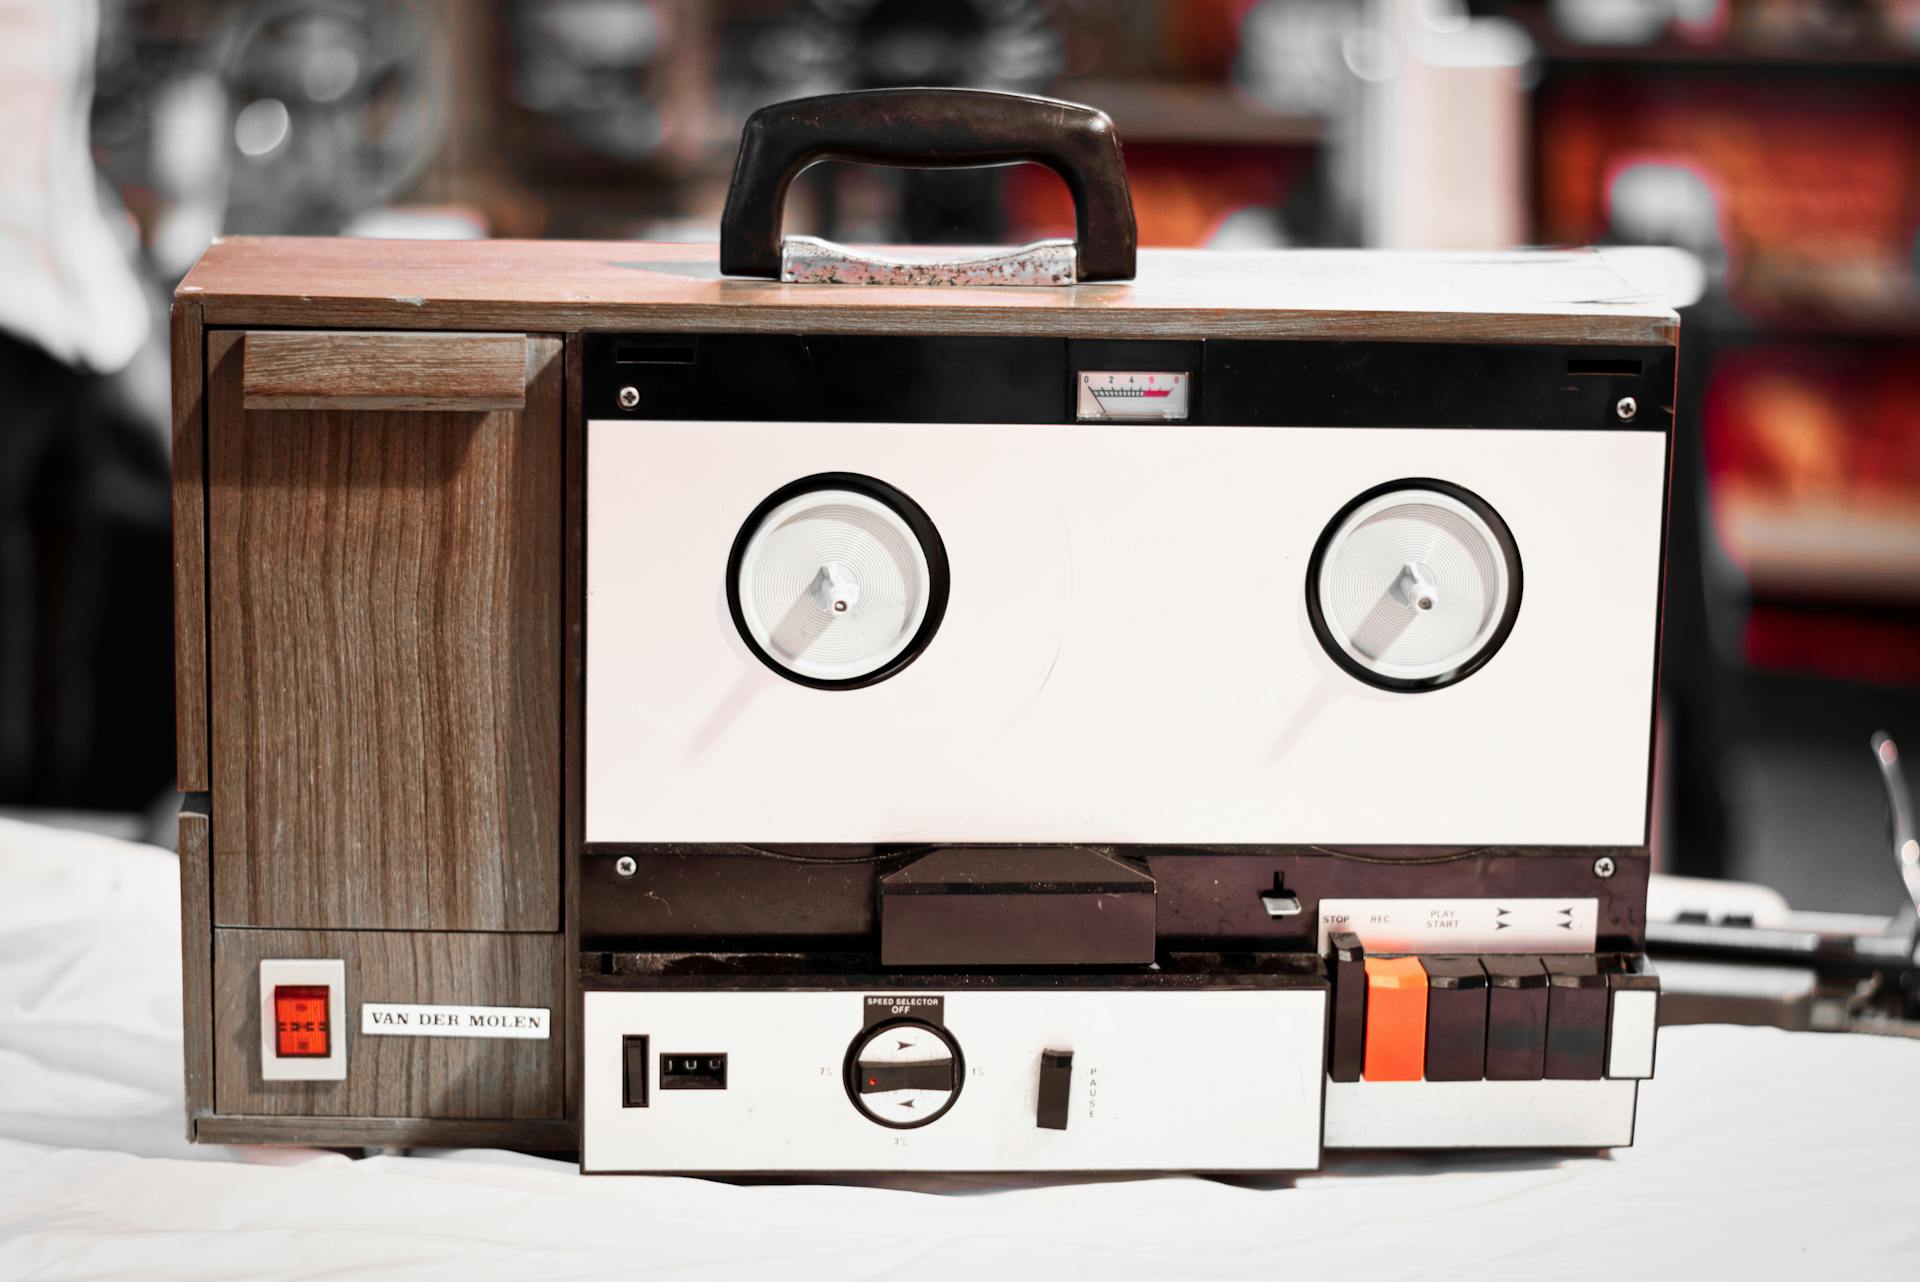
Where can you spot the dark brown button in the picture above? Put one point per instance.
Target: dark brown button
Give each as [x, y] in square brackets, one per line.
[1516, 1018]
[633, 1071]
[1576, 1018]
[1349, 1007]
[1056, 1090]
[1456, 1019]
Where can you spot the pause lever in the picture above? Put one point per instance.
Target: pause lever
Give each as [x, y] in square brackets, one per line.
[1056, 1090]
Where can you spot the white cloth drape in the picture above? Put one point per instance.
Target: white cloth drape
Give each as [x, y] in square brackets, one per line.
[65, 281]
[1760, 1154]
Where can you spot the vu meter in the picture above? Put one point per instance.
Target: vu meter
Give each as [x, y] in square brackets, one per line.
[1131, 396]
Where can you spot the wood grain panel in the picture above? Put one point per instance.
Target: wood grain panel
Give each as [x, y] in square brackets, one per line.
[385, 660]
[493, 695]
[196, 963]
[400, 1077]
[574, 693]
[529, 1135]
[340, 369]
[1560, 296]
[192, 767]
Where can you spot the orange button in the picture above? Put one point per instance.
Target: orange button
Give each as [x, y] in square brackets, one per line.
[1396, 1020]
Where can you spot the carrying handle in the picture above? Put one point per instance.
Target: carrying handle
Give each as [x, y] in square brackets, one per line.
[929, 129]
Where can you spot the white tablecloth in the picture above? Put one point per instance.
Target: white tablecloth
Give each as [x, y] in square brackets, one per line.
[1761, 1154]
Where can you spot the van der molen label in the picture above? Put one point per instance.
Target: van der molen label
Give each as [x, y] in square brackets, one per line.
[391, 1019]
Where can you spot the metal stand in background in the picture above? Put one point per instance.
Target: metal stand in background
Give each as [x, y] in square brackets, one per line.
[1733, 962]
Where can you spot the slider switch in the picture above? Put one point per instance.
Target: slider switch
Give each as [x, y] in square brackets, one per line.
[633, 1071]
[1056, 1090]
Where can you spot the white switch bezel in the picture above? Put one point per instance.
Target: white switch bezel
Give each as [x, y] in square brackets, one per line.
[1632, 1028]
[330, 972]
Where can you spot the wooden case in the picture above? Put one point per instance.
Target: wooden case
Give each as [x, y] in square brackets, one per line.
[378, 463]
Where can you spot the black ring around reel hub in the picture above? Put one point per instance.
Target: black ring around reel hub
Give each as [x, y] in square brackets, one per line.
[918, 523]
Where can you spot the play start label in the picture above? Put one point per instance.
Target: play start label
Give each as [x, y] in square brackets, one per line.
[1464, 925]
[394, 1019]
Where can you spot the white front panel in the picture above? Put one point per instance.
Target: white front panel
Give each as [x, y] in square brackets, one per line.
[1216, 1080]
[1545, 1114]
[1126, 654]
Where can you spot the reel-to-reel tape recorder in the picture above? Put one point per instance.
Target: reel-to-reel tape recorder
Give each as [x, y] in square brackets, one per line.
[1230, 675]
[1182, 725]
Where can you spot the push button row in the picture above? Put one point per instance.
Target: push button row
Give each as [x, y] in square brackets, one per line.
[1498, 1018]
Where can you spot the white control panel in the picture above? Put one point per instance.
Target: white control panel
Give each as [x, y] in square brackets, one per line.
[973, 1080]
[1542, 1114]
[303, 1024]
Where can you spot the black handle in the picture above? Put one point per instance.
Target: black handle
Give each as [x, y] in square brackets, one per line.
[929, 129]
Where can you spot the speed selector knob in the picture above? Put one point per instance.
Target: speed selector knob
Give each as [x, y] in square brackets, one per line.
[904, 1074]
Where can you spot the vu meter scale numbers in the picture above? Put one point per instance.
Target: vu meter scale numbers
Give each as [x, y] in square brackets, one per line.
[1132, 396]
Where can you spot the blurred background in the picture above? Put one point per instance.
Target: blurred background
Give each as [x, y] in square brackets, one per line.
[1755, 162]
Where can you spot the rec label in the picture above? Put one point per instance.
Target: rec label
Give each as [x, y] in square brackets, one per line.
[395, 1019]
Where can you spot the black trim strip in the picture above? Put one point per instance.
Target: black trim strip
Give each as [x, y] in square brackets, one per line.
[861, 378]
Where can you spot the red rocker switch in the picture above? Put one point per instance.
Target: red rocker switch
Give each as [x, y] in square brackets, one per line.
[302, 1027]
